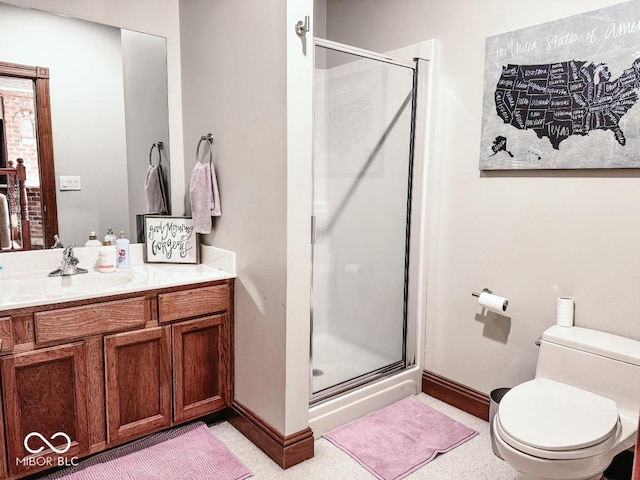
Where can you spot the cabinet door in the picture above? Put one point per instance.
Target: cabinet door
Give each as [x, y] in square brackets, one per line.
[44, 394]
[201, 366]
[4, 472]
[138, 383]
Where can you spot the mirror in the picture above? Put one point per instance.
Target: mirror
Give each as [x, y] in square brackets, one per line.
[109, 106]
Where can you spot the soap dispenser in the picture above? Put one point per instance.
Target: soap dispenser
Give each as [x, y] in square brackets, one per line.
[93, 240]
[110, 236]
[122, 247]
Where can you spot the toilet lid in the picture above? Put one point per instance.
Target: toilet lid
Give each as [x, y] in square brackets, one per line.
[549, 415]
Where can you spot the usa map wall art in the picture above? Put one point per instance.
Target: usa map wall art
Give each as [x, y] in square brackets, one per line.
[564, 94]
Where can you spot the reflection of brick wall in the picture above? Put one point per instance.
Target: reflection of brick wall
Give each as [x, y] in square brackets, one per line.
[35, 216]
[19, 108]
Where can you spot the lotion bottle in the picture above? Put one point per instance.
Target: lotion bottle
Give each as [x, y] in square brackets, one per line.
[122, 247]
[107, 258]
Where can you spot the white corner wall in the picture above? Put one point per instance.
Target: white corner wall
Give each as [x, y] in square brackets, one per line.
[300, 73]
[529, 236]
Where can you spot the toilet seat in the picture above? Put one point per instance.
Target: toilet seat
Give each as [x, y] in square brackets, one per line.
[553, 420]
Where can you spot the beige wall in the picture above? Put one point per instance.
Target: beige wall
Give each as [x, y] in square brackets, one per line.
[234, 59]
[530, 236]
[247, 80]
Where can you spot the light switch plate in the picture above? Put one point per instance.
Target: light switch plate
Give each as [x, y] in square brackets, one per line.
[70, 182]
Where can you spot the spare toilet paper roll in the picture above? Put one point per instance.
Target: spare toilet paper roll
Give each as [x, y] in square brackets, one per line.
[493, 302]
[565, 312]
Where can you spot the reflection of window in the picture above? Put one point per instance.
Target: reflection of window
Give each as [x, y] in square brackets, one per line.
[3, 140]
[27, 135]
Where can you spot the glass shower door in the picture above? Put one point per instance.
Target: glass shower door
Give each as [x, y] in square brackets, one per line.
[363, 110]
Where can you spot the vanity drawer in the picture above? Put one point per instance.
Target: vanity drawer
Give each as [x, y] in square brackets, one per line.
[192, 303]
[104, 317]
[6, 335]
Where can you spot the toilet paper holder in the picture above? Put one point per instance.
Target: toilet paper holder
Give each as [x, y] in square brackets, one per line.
[487, 300]
[484, 290]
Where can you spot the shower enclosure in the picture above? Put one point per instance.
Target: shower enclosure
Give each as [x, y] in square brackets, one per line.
[364, 123]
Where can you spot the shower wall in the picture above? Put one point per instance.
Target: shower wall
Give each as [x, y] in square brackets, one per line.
[361, 156]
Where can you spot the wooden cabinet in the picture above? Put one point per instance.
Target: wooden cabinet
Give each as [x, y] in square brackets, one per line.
[193, 302]
[201, 367]
[201, 348]
[45, 393]
[64, 324]
[6, 335]
[138, 383]
[108, 372]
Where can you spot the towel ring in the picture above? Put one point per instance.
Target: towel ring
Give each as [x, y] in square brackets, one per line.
[209, 139]
[159, 146]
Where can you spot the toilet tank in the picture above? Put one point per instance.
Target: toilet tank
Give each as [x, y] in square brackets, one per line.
[596, 361]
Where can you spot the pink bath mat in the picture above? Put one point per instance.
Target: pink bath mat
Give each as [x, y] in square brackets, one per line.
[189, 452]
[397, 440]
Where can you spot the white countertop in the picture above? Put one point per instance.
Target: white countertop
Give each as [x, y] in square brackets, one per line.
[24, 281]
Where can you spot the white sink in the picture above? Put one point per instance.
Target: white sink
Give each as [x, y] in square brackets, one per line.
[74, 284]
[24, 281]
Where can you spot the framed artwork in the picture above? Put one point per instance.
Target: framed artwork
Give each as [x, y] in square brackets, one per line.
[170, 240]
[563, 95]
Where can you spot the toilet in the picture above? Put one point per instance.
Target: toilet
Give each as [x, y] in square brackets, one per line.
[579, 411]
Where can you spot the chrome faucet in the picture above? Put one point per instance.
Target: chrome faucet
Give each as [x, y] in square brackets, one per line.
[69, 265]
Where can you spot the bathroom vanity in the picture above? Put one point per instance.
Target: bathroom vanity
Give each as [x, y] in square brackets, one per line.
[138, 355]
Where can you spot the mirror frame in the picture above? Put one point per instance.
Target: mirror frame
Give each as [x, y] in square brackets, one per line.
[40, 77]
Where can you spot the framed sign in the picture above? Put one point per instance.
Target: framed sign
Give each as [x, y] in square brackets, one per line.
[563, 94]
[170, 240]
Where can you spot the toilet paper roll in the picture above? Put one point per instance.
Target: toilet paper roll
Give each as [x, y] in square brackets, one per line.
[565, 312]
[493, 302]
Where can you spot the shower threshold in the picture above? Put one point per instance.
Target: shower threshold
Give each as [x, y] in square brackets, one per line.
[353, 383]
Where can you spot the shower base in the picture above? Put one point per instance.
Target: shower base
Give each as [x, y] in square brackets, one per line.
[340, 361]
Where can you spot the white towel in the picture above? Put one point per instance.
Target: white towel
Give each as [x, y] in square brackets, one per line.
[205, 197]
[155, 191]
[5, 238]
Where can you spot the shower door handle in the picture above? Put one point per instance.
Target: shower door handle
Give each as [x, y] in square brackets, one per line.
[313, 229]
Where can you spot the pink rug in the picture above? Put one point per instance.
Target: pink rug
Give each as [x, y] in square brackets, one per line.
[397, 440]
[189, 452]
